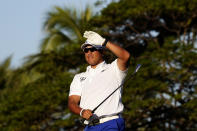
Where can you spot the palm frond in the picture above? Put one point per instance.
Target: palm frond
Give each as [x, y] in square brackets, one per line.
[6, 63]
[69, 20]
[54, 41]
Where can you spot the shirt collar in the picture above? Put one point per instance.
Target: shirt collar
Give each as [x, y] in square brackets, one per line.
[98, 67]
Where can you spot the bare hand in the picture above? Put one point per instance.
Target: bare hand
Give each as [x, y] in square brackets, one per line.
[87, 114]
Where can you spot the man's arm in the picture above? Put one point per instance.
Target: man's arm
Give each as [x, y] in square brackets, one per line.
[122, 54]
[73, 105]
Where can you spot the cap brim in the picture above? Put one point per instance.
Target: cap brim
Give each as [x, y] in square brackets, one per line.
[83, 46]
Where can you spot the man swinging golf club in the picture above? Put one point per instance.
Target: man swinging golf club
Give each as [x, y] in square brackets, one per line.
[88, 89]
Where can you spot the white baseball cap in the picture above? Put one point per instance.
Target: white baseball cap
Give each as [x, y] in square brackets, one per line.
[84, 45]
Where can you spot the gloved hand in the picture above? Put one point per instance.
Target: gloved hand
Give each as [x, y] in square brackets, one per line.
[94, 38]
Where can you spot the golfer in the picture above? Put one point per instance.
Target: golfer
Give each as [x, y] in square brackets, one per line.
[88, 89]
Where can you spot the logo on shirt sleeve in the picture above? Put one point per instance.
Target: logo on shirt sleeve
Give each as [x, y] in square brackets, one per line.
[82, 79]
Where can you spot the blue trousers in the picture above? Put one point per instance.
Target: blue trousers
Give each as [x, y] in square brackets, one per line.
[112, 125]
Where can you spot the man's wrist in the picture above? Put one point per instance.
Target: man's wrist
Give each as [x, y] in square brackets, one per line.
[81, 112]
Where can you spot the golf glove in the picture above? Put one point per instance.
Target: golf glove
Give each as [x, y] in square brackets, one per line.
[94, 38]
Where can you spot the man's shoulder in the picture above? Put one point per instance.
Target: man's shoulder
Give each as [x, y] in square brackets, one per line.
[112, 63]
[81, 76]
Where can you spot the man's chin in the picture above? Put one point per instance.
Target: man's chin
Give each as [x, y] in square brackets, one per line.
[92, 64]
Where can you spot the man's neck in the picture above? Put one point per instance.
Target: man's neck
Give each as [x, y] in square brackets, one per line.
[94, 66]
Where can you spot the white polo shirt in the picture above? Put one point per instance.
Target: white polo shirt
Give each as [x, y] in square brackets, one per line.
[95, 85]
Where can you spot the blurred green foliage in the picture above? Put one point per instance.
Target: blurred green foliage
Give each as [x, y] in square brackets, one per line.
[160, 35]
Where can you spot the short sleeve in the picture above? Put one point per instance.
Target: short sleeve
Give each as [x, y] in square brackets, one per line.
[119, 73]
[75, 87]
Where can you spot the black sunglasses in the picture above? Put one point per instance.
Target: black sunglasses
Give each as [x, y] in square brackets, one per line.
[89, 49]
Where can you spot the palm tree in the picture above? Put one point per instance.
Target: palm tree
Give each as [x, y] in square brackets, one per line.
[47, 74]
[61, 46]
[64, 26]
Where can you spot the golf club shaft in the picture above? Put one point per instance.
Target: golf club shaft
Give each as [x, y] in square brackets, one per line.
[137, 68]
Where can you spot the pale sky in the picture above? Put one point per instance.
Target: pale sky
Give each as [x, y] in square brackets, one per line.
[21, 25]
